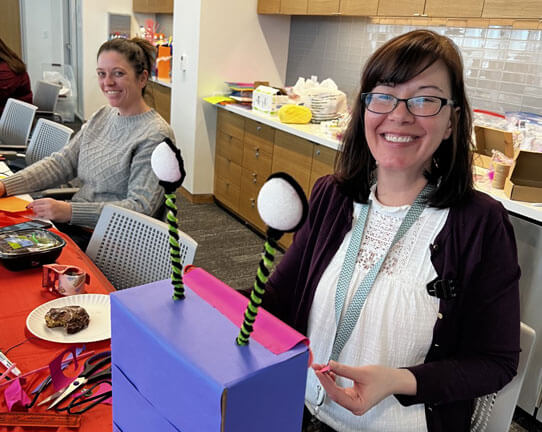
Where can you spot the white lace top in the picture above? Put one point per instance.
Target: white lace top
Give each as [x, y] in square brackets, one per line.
[395, 326]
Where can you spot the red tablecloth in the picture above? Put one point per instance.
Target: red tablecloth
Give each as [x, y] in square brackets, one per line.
[20, 293]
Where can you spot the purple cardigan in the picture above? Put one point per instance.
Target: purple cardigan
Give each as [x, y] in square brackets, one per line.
[475, 346]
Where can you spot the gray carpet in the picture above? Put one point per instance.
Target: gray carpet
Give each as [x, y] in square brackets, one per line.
[231, 251]
[227, 248]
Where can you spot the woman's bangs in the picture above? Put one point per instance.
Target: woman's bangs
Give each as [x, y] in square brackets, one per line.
[399, 64]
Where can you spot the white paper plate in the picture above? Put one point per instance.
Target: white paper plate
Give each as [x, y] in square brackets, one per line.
[99, 327]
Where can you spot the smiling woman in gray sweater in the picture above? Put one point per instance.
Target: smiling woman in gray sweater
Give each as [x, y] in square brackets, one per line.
[111, 153]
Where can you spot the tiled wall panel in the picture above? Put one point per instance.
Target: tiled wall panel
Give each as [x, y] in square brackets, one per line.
[503, 66]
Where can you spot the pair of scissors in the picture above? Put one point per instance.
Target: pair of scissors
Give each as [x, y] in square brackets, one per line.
[87, 399]
[93, 372]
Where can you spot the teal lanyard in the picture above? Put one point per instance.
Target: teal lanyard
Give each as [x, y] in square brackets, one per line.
[346, 325]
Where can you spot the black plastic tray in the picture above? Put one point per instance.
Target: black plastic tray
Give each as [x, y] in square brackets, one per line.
[24, 249]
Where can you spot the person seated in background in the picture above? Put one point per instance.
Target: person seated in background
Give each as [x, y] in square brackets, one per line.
[403, 277]
[111, 153]
[14, 81]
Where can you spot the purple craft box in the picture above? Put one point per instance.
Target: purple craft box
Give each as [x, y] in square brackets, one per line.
[176, 367]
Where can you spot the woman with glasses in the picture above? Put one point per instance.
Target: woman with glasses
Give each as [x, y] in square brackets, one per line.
[404, 278]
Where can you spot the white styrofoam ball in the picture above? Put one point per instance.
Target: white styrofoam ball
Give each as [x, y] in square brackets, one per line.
[279, 205]
[164, 163]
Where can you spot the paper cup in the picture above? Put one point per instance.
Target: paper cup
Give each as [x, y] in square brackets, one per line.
[500, 173]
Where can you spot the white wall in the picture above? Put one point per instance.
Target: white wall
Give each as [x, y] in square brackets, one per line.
[223, 41]
[42, 35]
[95, 32]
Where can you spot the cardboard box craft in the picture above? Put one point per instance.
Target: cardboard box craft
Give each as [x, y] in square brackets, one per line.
[488, 139]
[525, 181]
[179, 361]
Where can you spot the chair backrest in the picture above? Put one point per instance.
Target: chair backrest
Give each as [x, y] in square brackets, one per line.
[48, 137]
[501, 407]
[46, 96]
[132, 249]
[16, 122]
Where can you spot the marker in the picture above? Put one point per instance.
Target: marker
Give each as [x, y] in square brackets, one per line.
[7, 363]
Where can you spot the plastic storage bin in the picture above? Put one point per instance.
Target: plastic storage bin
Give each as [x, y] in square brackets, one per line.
[67, 97]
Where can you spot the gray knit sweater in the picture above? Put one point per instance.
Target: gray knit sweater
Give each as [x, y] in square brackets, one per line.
[111, 156]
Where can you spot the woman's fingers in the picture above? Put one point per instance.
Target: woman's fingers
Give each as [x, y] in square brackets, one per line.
[48, 208]
[345, 370]
[349, 398]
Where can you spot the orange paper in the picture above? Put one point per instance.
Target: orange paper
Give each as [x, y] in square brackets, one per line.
[164, 62]
[13, 204]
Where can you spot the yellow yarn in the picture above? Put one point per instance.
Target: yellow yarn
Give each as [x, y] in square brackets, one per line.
[295, 114]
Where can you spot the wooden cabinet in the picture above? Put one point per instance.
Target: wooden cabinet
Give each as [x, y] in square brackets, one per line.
[293, 155]
[152, 6]
[258, 148]
[268, 6]
[431, 8]
[293, 7]
[247, 152]
[455, 9]
[323, 7]
[139, 5]
[323, 162]
[358, 7]
[401, 7]
[257, 161]
[158, 96]
[228, 158]
[512, 9]
[10, 25]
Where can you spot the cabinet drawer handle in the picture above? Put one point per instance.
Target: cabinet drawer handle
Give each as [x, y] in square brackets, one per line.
[317, 152]
[258, 128]
[229, 137]
[256, 152]
[254, 177]
[252, 202]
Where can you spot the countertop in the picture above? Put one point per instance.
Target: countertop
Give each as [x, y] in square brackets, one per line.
[524, 209]
[164, 82]
[312, 133]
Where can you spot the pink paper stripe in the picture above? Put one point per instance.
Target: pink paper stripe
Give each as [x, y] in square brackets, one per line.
[81, 357]
[269, 331]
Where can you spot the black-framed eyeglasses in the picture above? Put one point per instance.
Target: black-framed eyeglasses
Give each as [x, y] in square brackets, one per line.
[420, 106]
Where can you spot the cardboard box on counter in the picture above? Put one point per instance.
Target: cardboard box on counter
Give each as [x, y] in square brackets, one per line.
[525, 181]
[268, 99]
[488, 139]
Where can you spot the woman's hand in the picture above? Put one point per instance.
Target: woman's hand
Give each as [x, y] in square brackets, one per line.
[51, 209]
[371, 384]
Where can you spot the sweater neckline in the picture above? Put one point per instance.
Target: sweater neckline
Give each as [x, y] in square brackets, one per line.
[130, 120]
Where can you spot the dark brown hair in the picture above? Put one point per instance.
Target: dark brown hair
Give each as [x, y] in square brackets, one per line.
[398, 61]
[13, 61]
[139, 52]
